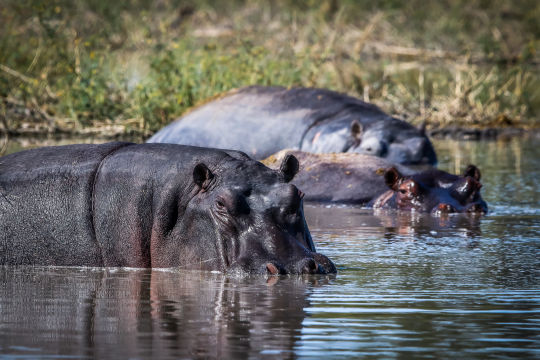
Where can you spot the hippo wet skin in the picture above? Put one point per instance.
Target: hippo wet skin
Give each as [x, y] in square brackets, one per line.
[263, 120]
[368, 180]
[153, 205]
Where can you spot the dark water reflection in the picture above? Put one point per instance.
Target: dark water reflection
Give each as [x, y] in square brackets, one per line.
[128, 313]
[409, 286]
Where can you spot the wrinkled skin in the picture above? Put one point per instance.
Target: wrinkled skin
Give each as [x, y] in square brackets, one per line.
[153, 205]
[263, 120]
[368, 180]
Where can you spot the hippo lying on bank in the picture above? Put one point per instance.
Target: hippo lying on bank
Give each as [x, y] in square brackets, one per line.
[369, 180]
[263, 120]
[153, 205]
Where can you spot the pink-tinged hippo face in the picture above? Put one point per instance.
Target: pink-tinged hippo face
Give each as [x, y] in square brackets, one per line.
[434, 191]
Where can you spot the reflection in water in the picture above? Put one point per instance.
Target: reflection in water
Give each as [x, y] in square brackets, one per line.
[392, 224]
[430, 294]
[112, 313]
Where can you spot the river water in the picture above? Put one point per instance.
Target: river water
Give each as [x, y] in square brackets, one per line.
[408, 286]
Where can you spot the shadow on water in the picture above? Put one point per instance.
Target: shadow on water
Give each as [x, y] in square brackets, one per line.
[118, 313]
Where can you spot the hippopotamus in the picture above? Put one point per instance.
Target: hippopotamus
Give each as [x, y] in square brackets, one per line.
[371, 181]
[153, 205]
[263, 120]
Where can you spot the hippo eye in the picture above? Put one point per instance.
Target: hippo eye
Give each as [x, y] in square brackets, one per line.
[220, 204]
[403, 191]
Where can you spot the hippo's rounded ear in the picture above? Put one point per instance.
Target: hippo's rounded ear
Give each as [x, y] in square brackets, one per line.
[356, 129]
[392, 177]
[202, 176]
[473, 172]
[289, 167]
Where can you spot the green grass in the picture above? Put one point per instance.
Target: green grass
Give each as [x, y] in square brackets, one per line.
[134, 67]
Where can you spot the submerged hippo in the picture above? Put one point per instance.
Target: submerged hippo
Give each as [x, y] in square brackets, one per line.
[263, 120]
[369, 180]
[153, 205]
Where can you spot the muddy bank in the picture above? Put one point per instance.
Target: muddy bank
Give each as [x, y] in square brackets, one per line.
[19, 139]
[116, 132]
[488, 133]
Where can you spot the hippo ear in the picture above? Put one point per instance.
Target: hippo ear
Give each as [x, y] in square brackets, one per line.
[473, 172]
[422, 127]
[392, 177]
[356, 130]
[202, 176]
[289, 167]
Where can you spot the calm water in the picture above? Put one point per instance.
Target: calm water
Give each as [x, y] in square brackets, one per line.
[409, 286]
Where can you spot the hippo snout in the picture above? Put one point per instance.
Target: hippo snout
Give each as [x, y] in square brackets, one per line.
[445, 209]
[325, 265]
[318, 264]
[308, 266]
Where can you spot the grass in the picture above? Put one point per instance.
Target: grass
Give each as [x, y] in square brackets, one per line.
[117, 67]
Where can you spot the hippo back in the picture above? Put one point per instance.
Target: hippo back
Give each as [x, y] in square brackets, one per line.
[263, 120]
[50, 190]
[346, 178]
[243, 120]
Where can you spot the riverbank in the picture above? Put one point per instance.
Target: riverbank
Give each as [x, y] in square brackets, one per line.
[108, 69]
[28, 138]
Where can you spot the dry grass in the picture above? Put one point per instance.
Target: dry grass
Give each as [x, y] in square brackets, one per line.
[96, 66]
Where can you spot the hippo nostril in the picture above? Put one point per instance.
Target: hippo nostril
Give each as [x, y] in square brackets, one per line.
[272, 269]
[446, 208]
[310, 267]
[324, 264]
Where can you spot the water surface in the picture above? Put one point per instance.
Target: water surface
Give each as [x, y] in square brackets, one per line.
[409, 286]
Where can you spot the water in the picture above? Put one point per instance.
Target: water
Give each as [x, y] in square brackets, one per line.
[409, 286]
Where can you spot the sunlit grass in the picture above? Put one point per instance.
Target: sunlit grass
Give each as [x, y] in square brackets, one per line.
[134, 67]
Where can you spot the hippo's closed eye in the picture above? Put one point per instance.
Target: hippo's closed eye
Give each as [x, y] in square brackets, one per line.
[220, 204]
[232, 203]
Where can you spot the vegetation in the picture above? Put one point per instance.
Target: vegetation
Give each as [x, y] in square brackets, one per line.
[113, 67]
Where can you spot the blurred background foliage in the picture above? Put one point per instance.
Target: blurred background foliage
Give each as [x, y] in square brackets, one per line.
[131, 67]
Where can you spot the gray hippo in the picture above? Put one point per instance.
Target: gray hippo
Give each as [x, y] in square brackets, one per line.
[153, 205]
[369, 180]
[263, 120]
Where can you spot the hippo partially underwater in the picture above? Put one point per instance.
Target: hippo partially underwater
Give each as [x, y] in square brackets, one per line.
[264, 120]
[368, 180]
[153, 205]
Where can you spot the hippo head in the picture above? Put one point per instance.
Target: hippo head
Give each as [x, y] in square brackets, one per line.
[394, 140]
[247, 218]
[434, 191]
